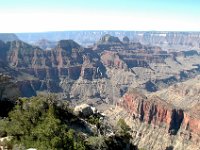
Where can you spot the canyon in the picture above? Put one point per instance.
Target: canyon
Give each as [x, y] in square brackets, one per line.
[152, 82]
[170, 126]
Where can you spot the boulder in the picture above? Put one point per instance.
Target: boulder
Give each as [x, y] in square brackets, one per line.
[83, 110]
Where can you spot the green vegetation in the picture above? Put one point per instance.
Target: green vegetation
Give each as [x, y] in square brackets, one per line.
[93, 119]
[120, 140]
[96, 142]
[124, 128]
[114, 142]
[45, 123]
[40, 123]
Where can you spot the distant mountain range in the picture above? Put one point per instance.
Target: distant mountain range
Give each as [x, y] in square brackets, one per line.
[167, 40]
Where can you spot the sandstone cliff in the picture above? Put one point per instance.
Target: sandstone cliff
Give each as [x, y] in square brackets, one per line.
[121, 65]
[183, 94]
[178, 124]
[106, 72]
[47, 68]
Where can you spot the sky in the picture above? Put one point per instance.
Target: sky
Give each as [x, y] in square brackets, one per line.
[67, 15]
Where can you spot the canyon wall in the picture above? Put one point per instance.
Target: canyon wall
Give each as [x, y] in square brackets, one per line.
[119, 64]
[174, 123]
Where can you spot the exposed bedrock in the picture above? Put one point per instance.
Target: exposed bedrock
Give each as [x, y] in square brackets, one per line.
[156, 111]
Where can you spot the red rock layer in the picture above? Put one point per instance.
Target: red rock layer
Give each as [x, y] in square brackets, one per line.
[191, 120]
[155, 111]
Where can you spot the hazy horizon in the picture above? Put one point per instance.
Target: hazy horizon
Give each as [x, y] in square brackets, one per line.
[26, 16]
[52, 31]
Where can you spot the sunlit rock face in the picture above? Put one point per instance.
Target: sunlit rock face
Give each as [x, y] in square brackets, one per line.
[120, 64]
[106, 72]
[45, 69]
[153, 111]
[156, 116]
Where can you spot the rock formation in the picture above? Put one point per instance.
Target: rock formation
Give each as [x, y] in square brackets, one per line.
[52, 70]
[106, 71]
[108, 42]
[83, 110]
[46, 68]
[155, 112]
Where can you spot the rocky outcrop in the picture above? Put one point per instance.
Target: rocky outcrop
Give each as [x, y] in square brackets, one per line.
[68, 46]
[83, 110]
[106, 71]
[156, 112]
[112, 43]
[154, 137]
[191, 122]
[184, 94]
[126, 54]
[123, 63]
[108, 42]
[21, 54]
[46, 68]
[153, 111]
[108, 39]
[112, 59]
[66, 59]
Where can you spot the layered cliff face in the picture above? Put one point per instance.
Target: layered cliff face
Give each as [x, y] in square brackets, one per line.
[106, 72]
[121, 65]
[191, 122]
[67, 59]
[149, 70]
[157, 116]
[48, 67]
[108, 42]
[112, 43]
[153, 111]
[113, 60]
[184, 94]
[21, 54]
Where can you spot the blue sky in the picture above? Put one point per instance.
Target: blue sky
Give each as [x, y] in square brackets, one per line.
[58, 15]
